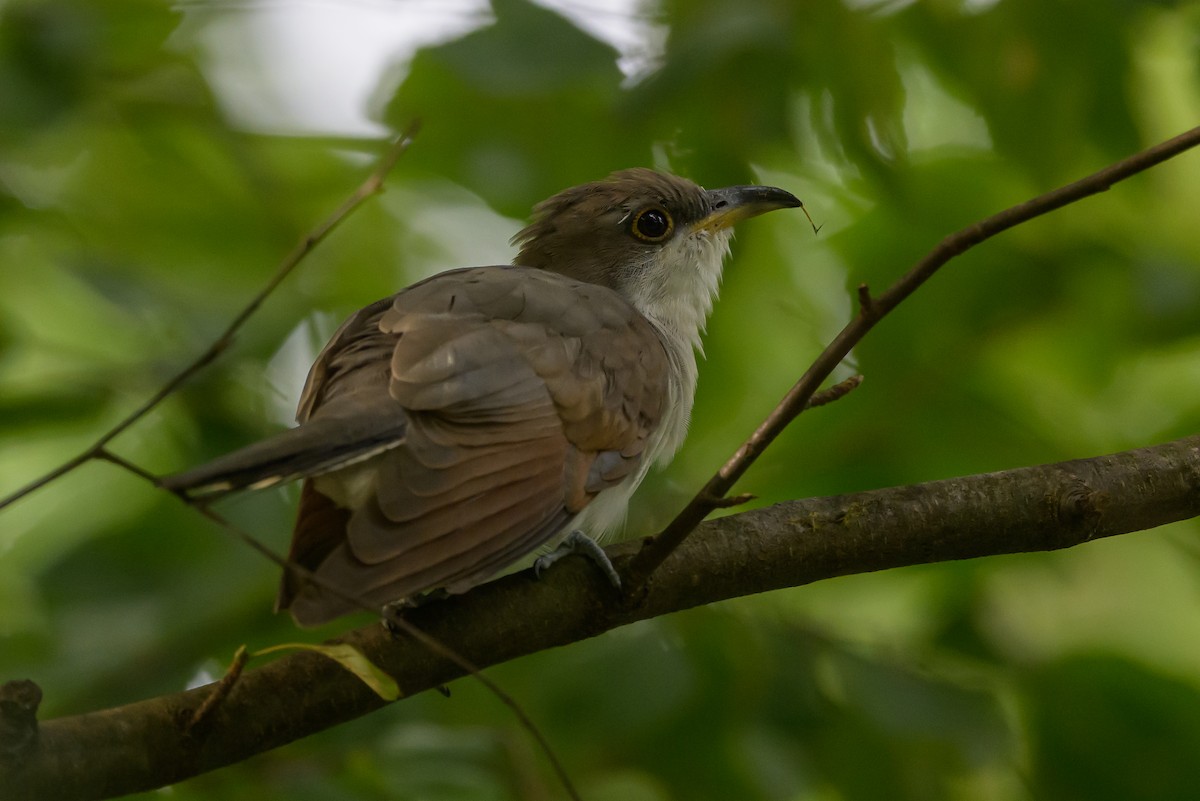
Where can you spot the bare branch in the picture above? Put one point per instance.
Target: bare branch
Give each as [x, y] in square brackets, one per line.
[871, 311]
[369, 187]
[146, 744]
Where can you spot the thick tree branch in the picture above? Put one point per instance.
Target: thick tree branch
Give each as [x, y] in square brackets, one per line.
[149, 744]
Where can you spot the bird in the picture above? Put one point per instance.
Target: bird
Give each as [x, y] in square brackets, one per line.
[485, 414]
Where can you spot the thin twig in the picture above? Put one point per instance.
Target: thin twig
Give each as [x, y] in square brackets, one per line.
[219, 692]
[369, 187]
[834, 393]
[438, 648]
[106, 455]
[874, 309]
[730, 501]
[432, 644]
[865, 301]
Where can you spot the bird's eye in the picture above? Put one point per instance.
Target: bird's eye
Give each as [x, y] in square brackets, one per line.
[652, 224]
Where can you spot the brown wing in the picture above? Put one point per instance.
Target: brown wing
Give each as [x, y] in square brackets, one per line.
[526, 394]
[349, 374]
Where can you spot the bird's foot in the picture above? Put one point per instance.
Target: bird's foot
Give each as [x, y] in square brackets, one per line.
[580, 543]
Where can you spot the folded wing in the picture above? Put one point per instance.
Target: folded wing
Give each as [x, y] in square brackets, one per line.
[474, 415]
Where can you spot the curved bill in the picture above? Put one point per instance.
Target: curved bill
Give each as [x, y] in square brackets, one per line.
[733, 204]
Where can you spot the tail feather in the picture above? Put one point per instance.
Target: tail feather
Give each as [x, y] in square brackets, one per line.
[316, 447]
[320, 528]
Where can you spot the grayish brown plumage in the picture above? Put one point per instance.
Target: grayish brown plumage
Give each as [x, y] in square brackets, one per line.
[451, 429]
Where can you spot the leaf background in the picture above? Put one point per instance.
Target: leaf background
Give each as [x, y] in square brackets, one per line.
[157, 160]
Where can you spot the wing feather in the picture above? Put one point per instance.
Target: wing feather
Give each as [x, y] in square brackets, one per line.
[525, 393]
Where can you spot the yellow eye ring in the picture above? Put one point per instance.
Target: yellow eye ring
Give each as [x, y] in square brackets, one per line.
[652, 224]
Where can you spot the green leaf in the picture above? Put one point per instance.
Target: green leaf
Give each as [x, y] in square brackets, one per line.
[352, 660]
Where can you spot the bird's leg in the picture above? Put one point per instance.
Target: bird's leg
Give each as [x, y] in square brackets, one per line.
[582, 544]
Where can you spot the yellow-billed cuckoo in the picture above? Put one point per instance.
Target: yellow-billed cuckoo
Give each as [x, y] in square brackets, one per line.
[460, 424]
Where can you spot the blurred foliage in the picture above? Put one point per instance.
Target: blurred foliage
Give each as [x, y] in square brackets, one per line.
[138, 211]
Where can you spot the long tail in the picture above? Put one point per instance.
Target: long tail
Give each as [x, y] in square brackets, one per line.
[311, 449]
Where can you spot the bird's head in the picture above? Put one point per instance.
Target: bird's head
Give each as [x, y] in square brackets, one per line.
[655, 238]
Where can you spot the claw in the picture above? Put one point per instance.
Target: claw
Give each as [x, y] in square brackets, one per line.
[582, 544]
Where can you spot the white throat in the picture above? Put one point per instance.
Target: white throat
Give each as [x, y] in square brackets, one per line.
[677, 289]
[675, 293]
